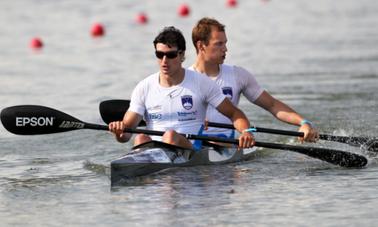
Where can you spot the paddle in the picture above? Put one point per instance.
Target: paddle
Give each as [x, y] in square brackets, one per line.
[370, 144]
[34, 120]
[113, 110]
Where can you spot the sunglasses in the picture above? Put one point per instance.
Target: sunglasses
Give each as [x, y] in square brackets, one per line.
[169, 54]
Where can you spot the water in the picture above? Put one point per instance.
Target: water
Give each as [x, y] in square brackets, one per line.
[320, 57]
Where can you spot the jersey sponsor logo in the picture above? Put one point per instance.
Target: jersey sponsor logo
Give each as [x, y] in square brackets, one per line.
[227, 91]
[34, 121]
[187, 102]
[155, 116]
[187, 116]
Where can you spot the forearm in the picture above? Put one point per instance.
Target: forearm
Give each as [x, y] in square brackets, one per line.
[240, 121]
[130, 120]
[278, 109]
[238, 118]
[286, 114]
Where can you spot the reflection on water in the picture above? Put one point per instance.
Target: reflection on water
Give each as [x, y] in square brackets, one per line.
[30, 183]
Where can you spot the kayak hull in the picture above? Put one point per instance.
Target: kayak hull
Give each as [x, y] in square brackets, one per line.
[154, 156]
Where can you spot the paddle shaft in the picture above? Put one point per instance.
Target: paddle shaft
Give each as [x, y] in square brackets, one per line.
[161, 133]
[188, 136]
[34, 120]
[113, 110]
[342, 139]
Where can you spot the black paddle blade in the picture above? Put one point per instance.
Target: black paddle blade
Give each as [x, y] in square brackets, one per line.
[113, 110]
[34, 120]
[336, 157]
[371, 145]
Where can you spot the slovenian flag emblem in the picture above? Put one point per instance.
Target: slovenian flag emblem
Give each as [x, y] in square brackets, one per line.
[227, 91]
[187, 102]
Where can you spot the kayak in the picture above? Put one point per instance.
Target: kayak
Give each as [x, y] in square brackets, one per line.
[154, 156]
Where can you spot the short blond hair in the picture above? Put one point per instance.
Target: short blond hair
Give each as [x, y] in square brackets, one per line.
[202, 30]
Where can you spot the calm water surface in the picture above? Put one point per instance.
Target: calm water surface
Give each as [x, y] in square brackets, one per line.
[320, 57]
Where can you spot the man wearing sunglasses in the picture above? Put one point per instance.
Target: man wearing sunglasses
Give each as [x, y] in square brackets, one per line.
[175, 100]
[209, 39]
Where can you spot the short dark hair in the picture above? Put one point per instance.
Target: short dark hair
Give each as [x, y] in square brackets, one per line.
[171, 37]
[202, 30]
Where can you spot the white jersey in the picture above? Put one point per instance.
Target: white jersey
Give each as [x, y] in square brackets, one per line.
[181, 107]
[233, 81]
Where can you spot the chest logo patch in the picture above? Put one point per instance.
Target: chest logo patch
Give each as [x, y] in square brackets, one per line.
[187, 102]
[227, 91]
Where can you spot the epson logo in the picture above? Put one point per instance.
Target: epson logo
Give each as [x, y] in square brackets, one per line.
[34, 121]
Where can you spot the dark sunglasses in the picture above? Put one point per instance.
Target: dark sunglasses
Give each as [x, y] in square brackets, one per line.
[169, 54]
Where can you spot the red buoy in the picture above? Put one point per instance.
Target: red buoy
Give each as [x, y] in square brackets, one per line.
[183, 10]
[36, 43]
[232, 3]
[141, 18]
[97, 30]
